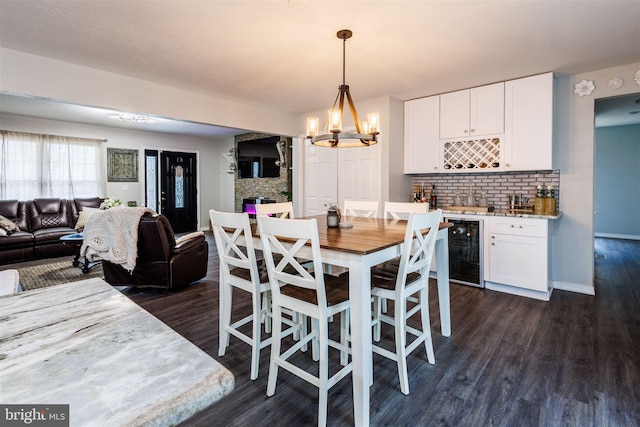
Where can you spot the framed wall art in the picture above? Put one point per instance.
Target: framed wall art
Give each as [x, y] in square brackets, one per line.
[122, 165]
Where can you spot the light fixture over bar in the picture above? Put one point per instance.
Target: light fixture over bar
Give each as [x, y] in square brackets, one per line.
[364, 134]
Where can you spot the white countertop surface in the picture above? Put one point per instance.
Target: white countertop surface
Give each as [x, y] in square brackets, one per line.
[86, 345]
[500, 212]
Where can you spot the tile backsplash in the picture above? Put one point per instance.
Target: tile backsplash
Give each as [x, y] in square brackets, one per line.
[497, 186]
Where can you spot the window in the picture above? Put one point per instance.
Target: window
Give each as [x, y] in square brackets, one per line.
[151, 179]
[33, 166]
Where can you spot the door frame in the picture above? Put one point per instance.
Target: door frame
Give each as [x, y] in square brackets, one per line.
[175, 150]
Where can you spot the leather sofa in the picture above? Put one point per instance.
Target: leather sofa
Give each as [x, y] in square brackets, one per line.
[41, 222]
[161, 261]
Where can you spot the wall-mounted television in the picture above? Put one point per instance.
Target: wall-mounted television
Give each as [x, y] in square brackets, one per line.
[257, 158]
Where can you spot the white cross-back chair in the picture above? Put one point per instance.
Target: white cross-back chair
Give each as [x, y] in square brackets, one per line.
[412, 279]
[239, 270]
[363, 208]
[402, 210]
[279, 210]
[397, 210]
[311, 293]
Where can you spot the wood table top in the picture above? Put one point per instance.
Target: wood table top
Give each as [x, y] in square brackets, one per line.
[366, 236]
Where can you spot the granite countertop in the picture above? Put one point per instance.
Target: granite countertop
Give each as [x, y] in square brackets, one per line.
[86, 345]
[500, 212]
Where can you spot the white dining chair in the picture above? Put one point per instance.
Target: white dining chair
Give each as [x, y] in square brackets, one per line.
[239, 270]
[313, 294]
[402, 210]
[412, 279]
[280, 210]
[396, 210]
[363, 208]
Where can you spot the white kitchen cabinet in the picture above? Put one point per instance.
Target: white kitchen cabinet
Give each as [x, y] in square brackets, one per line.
[528, 125]
[422, 152]
[472, 112]
[518, 252]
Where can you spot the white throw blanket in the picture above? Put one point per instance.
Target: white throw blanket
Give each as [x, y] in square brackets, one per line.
[112, 235]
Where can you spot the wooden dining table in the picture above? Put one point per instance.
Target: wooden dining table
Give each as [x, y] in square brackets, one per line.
[368, 242]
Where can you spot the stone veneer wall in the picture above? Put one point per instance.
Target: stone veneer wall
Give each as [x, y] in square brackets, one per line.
[498, 185]
[269, 188]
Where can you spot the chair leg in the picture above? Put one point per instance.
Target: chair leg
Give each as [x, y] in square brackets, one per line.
[377, 309]
[255, 336]
[315, 350]
[344, 331]
[266, 308]
[323, 374]
[426, 325]
[276, 336]
[225, 317]
[400, 308]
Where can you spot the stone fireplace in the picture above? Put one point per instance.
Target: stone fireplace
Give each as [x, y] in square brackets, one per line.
[278, 189]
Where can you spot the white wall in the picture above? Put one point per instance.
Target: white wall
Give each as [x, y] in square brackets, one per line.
[215, 187]
[572, 248]
[617, 182]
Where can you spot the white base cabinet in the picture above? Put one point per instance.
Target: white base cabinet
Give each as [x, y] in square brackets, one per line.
[516, 253]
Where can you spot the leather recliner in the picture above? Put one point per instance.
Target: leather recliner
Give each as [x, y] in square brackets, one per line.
[160, 262]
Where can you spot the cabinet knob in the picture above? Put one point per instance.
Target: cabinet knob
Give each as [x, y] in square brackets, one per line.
[493, 237]
[513, 226]
[466, 131]
[435, 168]
[508, 165]
[520, 227]
[493, 244]
[473, 130]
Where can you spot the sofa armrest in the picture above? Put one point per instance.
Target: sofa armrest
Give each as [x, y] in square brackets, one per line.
[187, 245]
[189, 236]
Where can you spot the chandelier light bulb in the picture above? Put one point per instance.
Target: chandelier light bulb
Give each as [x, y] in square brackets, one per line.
[313, 123]
[335, 120]
[373, 122]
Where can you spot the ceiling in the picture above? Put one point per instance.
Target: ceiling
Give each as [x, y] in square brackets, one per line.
[285, 54]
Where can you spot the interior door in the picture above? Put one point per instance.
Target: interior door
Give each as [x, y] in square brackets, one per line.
[178, 190]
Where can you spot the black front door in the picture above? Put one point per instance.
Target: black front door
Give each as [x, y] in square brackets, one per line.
[178, 190]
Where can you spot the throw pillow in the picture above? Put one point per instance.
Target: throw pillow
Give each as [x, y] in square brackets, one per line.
[85, 213]
[8, 225]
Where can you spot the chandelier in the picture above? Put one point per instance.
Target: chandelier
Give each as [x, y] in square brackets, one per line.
[365, 133]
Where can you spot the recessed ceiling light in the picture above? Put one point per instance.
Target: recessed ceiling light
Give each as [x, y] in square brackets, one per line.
[132, 118]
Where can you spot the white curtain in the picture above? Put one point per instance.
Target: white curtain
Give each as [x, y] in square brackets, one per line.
[33, 165]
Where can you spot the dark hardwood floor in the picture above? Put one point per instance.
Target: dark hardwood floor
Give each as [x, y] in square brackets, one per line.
[511, 361]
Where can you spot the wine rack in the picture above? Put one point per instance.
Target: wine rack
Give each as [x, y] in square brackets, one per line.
[472, 155]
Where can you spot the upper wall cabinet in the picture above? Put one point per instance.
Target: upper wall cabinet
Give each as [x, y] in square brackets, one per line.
[472, 112]
[529, 123]
[421, 135]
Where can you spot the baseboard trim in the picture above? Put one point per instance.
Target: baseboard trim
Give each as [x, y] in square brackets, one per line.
[574, 287]
[618, 236]
[514, 290]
